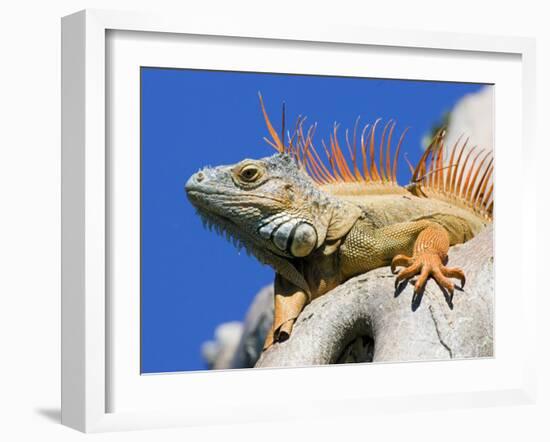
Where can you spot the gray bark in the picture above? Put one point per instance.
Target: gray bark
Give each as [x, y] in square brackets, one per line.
[218, 353]
[367, 319]
[239, 344]
[256, 325]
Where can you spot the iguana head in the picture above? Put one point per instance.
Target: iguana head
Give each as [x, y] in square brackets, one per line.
[271, 207]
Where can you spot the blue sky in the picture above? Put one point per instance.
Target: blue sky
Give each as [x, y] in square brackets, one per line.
[192, 279]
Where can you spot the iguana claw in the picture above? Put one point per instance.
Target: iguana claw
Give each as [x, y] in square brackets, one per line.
[426, 265]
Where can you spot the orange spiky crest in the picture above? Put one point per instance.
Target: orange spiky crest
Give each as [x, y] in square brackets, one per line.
[360, 166]
[467, 183]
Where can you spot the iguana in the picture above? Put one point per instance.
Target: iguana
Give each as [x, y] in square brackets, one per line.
[319, 224]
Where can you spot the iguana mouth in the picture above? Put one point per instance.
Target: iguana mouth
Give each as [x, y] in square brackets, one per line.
[199, 200]
[197, 196]
[204, 191]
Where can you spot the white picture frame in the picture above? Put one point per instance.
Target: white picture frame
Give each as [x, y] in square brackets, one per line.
[86, 310]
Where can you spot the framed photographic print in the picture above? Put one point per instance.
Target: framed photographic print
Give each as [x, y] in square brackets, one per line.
[250, 213]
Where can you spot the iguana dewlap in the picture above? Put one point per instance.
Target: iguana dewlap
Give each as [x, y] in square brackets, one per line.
[318, 225]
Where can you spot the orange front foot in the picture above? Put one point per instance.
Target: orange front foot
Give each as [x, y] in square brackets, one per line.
[426, 264]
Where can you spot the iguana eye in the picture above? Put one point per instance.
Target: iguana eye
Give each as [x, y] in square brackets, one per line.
[249, 173]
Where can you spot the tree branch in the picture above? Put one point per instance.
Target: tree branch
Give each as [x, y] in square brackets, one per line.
[343, 325]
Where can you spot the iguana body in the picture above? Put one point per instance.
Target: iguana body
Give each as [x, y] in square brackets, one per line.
[318, 225]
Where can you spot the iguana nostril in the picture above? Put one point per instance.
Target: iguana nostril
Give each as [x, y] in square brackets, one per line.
[195, 182]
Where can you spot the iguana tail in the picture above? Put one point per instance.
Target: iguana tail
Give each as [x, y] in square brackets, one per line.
[464, 178]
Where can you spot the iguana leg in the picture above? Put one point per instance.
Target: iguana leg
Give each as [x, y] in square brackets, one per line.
[289, 303]
[428, 260]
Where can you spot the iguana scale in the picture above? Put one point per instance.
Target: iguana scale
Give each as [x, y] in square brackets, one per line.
[320, 224]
